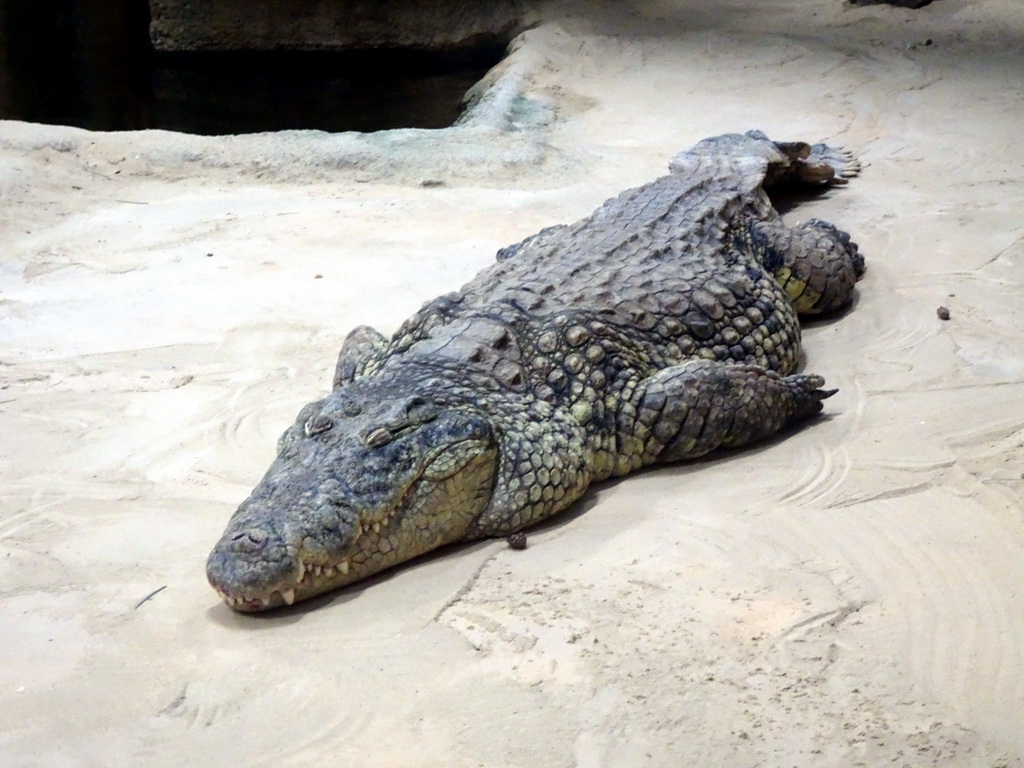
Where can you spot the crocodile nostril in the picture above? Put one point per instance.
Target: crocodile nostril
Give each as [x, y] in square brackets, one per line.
[249, 540]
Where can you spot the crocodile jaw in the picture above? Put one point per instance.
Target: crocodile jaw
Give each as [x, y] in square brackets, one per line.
[274, 562]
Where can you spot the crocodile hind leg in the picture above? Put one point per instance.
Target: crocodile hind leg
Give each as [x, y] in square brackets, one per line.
[688, 410]
[811, 164]
[824, 164]
[816, 264]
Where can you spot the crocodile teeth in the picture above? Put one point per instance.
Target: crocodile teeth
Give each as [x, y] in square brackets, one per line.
[343, 567]
[288, 596]
[329, 571]
[317, 570]
[376, 527]
[302, 570]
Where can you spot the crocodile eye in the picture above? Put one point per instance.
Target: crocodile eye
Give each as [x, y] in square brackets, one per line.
[317, 424]
[377, 437]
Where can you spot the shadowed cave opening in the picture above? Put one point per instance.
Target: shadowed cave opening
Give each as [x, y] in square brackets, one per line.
[90, 63]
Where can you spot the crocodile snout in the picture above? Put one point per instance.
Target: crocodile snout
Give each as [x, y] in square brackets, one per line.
[252, 569]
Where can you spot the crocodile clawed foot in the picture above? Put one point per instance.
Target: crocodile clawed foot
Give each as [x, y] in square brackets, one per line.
[807, 393]
[828, 165]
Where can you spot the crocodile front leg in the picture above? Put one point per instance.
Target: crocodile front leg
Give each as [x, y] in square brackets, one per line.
[688, 410]
[358, 348]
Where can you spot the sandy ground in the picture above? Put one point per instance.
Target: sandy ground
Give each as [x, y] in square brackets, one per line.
[850, 595]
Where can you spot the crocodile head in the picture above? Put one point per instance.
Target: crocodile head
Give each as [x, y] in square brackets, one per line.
[361, 482]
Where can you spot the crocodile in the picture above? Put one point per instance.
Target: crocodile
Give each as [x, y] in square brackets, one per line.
[659, 328]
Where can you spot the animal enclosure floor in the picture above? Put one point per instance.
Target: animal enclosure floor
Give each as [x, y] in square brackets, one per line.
[849, 595]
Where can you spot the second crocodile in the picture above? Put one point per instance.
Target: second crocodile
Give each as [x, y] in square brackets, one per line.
[659, 328]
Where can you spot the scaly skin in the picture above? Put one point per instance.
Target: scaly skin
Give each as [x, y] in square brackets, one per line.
[661, 327]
